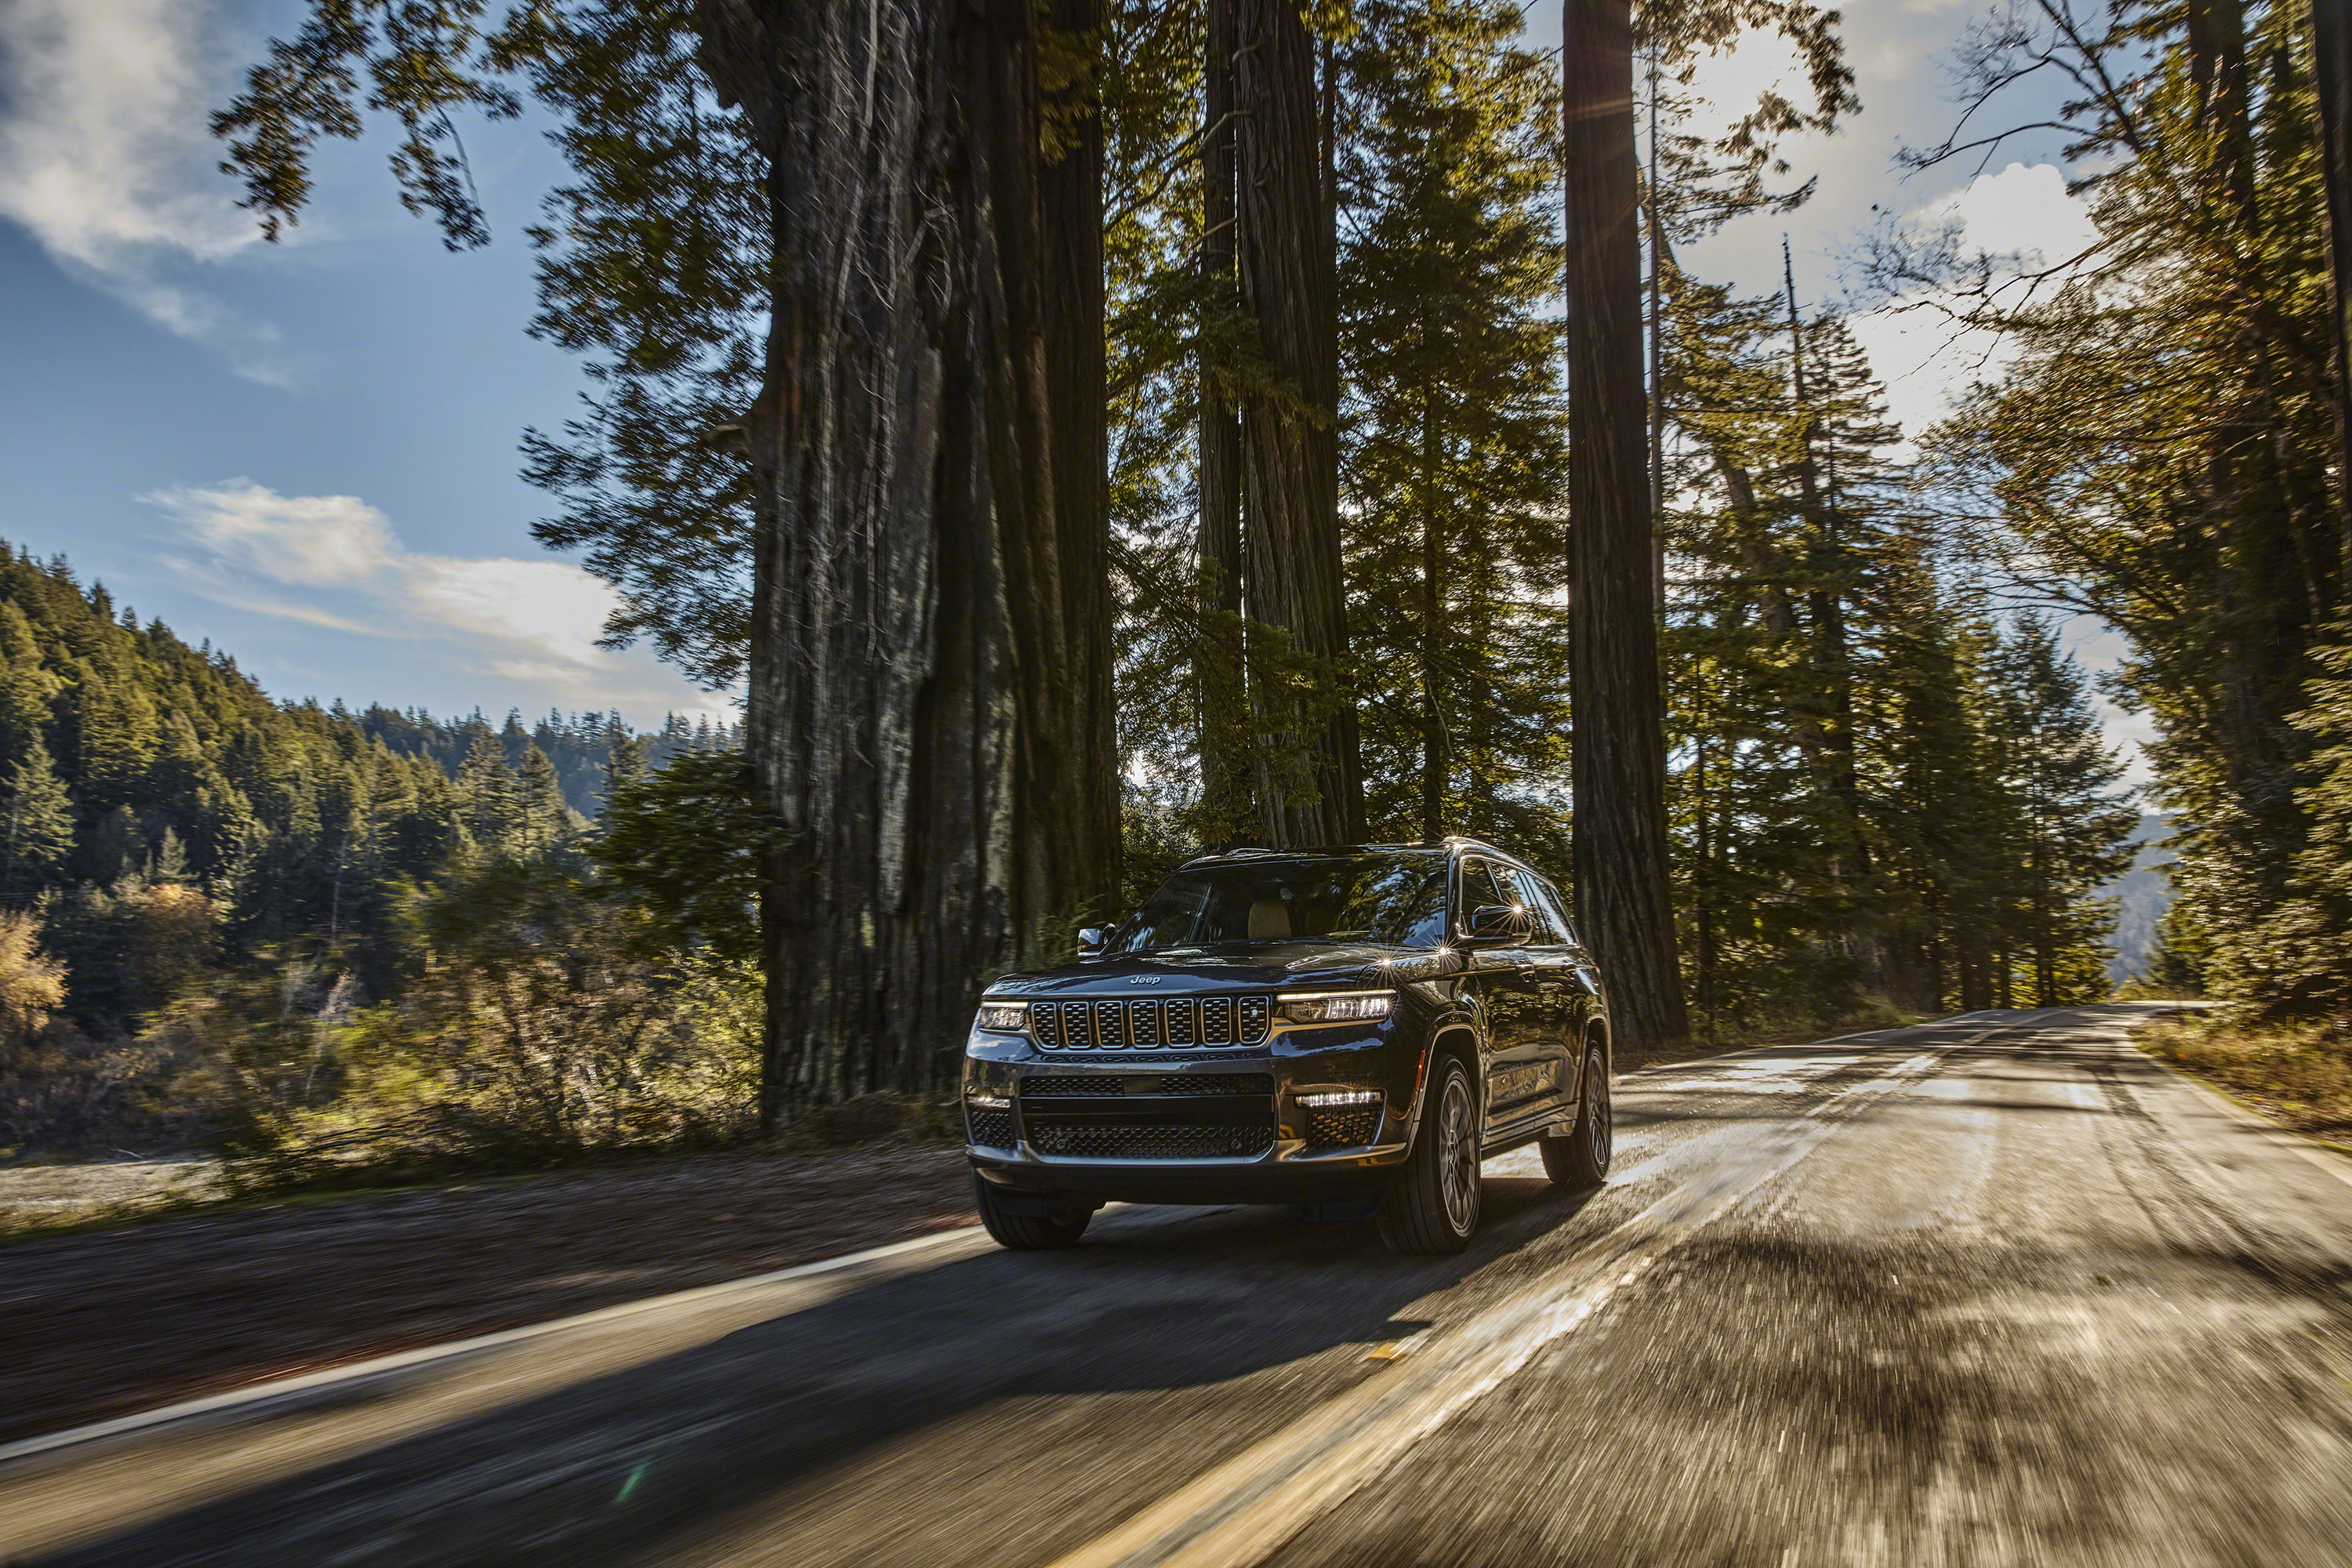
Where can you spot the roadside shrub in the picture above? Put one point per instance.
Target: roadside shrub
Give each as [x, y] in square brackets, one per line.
[2300, 1073]
[63, 1093]
[547, 1024]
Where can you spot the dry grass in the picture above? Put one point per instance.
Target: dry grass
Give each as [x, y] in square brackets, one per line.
[2301, 1075]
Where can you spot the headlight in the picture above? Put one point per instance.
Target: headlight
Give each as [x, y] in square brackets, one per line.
[1336, 1007]
[1004, 1017]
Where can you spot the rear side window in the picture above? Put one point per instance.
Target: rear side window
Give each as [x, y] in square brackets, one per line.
[1544, 899]
[1490, 883]
[1486, 882]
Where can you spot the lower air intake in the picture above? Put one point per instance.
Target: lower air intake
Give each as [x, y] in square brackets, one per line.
[989, 1129]
[1343, 1127]
[1172, 1142]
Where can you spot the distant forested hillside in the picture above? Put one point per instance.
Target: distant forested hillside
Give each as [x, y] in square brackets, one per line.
[160, 813]
[579, 746]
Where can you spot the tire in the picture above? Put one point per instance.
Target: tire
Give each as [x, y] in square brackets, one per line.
[1582, 1159]
[1027, 1232]
[1431, 1207]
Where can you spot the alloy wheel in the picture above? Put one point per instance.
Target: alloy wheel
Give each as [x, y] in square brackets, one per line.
[1458, 1156]
[1597, 1132]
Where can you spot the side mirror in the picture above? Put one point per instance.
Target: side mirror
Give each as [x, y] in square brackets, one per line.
[1498, 925]
[1092, 940]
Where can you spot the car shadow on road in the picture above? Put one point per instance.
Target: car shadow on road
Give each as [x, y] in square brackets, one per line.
[608, 1469]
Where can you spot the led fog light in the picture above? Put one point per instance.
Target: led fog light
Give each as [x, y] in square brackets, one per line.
[1341, 1096]
[988, 1102]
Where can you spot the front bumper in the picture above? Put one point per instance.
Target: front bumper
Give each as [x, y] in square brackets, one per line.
[1224, 1127]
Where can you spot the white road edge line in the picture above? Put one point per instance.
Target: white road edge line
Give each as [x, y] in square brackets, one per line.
[1243, 1509]
[2335, 1164]
[424, 1355]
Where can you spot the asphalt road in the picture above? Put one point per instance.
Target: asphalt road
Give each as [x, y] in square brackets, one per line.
[1998, 1290]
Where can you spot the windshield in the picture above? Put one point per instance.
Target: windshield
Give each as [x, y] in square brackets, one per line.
[1393, 900]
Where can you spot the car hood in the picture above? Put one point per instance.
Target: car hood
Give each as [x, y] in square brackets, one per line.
[1234, 967]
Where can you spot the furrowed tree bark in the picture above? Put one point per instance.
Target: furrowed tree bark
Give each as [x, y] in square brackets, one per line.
[1290, 447]
[1618, 771]
[1218, 672]
[2331, 22]
[917, 659]
[1077, 371]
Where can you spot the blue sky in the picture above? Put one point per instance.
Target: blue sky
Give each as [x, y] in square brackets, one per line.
[307, 452]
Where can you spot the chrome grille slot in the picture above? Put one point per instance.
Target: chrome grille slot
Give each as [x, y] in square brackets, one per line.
[1151, 1023]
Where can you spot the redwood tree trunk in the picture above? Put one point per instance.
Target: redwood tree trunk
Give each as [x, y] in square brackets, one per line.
[1222, 689]
[1077, 372]
[2331, 22]
[1290, 447]
[1618, 771]
[921, 666]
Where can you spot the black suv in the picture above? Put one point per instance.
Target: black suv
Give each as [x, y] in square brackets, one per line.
[1351, 1029]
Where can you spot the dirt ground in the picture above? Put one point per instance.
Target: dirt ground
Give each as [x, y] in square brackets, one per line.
[33, 1197]
[104, 1322]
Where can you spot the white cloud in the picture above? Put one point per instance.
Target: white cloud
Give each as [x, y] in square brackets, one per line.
[2024, 211]
[105, 158]
[2023, 218]
[532, 622]
[2099, 648]
[552, 606]
[311, 541]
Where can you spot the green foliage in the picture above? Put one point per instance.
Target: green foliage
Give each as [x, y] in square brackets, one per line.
[2159, 450]
[1456, 425]
[2065, 827]
[2307, 960]
[652, 261]
[299, 828]
[686, 843]
[40, 823]
[1879, 796]
[547, 1023]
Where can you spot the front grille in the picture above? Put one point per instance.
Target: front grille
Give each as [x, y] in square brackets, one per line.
[1147, 1142]
[1216, 1083]
[1342, 1126]
[1051, 1087]
[1151, 1023]
[989, 1129]
[1064, 1088]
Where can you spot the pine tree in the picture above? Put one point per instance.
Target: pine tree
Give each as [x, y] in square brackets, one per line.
[40, 826]
[2162, 448]
[1455, 436]
[26, 688]
[2067, 828]
[545, 824]
[493, 810]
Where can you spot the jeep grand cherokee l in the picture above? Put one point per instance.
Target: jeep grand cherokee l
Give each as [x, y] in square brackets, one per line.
[1352, 1029]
